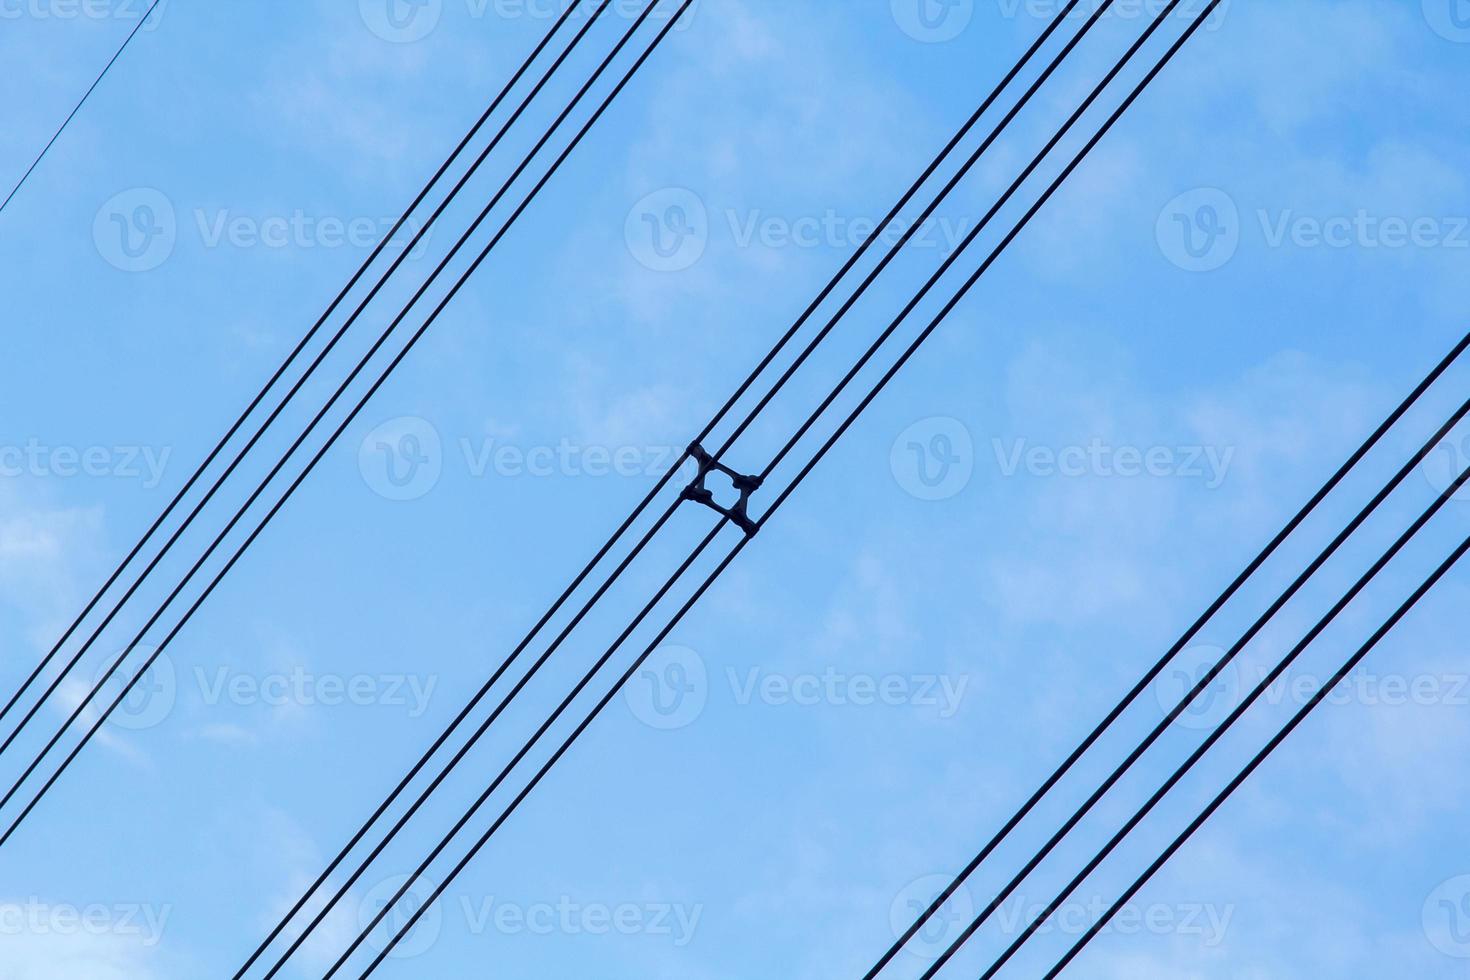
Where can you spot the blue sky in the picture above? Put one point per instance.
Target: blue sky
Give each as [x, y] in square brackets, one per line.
[777, 826]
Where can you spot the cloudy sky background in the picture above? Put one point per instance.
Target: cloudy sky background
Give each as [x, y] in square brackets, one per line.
[1008, 603]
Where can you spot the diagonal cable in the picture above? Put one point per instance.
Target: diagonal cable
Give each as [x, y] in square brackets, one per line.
[78, 107]
[408, 925]
[495, 714]
[1225, 726]
[274, 380]
[331, 440]
[1312, 704]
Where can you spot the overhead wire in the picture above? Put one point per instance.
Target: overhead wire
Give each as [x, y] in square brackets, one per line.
[1221, 730]
[447, 879]
[555, 644]
[78, 107]
[352, 415]
[1276, 741]
[271, 383]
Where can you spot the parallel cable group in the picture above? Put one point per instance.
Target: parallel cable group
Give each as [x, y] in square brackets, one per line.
[737, 517]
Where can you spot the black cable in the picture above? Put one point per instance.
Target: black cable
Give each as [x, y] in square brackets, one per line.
[918, 223]
[454, 291]
[968, 240]
[433, 786]
[530, 743]
[275, 378]
[1229, 722]
[448, 879]
[1271, 746]
[321, 414]
[78, 108]
[1199, 624]
[484, 691]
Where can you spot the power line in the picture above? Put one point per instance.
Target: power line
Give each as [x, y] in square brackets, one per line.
[362, 403]
[1255, 763]
[1235, 715]
[917, 224]
[448, 879]
[78, 107]
[505, 702]
[495, 714]
[530, 743]
[1152, 675]
[341, 389]
[269, 385]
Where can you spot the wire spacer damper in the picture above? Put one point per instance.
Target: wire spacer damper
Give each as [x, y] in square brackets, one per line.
[739, 514]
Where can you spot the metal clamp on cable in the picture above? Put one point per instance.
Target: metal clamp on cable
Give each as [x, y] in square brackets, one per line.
[698, 492]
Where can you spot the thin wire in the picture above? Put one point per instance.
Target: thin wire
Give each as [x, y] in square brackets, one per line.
[965, 244]
[530, 743]
[1311, 705]
[413, 340]
[78, 107]
[918, 223]
[260, 396]
[433, 786]
[586, 722]
[301, 439]
[1199, 624]
[1225, 726]
[418, 767]
[979, 273]
[448, 879]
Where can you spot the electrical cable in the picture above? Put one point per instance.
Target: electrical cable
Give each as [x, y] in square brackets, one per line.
[409, 923]
[1225, 726]
[78, 107]
[719, 416]
[1352, 663]
[269, 385]
[454, 291]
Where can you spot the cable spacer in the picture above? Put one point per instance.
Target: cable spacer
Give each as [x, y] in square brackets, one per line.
[696, 491]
